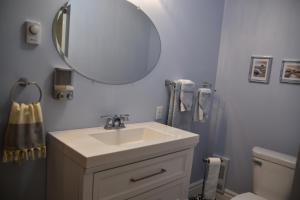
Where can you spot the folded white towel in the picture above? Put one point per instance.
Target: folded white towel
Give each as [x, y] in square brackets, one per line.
[186, 94]
[203, 100]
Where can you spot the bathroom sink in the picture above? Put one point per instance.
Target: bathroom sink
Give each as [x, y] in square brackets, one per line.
[130, 136]
[97, 146]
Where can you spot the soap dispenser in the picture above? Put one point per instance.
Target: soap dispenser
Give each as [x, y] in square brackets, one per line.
[63, 84]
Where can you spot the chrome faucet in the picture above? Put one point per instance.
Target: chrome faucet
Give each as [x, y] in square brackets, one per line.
[115, 122]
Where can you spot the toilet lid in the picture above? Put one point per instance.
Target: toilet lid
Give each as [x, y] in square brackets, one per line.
[247, 196]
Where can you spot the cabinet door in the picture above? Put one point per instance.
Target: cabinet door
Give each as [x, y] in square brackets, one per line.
[171, 191]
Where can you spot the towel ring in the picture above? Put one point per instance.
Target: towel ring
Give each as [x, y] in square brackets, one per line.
[23, 82]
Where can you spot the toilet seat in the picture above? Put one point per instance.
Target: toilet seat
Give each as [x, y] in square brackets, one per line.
[247, 196]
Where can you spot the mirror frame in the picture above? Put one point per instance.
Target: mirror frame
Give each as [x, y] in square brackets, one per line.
[73, 67]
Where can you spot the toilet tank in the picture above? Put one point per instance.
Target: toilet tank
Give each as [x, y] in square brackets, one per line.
[273, 174]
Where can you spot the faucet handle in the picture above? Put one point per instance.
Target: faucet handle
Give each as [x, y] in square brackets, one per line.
[125, 117]
[106, 116]
[109, 121]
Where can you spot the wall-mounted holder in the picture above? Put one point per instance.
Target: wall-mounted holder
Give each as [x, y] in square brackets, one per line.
[63, 84]
[24, 82]
[205, 84]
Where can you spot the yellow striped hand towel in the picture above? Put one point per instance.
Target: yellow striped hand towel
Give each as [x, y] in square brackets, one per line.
[24, 138]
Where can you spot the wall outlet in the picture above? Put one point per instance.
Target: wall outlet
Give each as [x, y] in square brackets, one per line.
[159, 112]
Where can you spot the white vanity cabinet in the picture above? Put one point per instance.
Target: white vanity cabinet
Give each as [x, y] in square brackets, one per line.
[159, 172]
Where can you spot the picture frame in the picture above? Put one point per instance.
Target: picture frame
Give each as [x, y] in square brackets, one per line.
[260, 69]
[290, 71]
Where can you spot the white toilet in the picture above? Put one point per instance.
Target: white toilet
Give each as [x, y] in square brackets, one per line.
[273, 174]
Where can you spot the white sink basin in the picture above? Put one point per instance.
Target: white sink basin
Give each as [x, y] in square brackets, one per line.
[130, 136]
[96, 146]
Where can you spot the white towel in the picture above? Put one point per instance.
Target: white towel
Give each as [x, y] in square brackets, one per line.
[202, 106]
[176, 118]
[186, 95]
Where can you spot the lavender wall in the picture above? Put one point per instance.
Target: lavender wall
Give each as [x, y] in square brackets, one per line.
[190, 33]
[249, 114]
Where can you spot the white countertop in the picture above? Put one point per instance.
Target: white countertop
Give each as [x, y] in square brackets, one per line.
[89, 152]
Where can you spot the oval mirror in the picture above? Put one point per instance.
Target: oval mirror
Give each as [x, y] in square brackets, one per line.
[108, 41]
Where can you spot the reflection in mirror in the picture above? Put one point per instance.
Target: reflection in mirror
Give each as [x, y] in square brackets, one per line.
[108, 41]
[62, 29]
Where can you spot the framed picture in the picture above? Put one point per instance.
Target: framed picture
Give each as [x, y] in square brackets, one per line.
[290, 71]
[260, 69]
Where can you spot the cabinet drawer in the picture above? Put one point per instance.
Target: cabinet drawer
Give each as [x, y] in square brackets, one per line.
[171, 191]
[130, 180]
